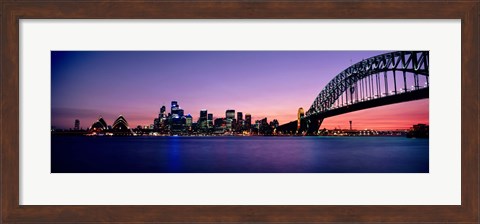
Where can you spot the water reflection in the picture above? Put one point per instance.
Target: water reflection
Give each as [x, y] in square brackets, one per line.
[239, 154]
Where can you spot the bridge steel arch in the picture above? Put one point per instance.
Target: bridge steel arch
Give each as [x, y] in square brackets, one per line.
[366, 75]
[366, 85]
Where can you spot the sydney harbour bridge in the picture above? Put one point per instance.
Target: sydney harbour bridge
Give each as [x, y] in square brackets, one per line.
[384, 79]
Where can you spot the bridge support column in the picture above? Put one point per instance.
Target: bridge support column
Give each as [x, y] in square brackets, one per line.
[313, 125]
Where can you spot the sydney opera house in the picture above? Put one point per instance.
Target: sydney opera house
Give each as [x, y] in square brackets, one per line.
[119, 127]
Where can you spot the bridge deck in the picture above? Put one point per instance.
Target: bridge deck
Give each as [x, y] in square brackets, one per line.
[422, 93]
[382, 101]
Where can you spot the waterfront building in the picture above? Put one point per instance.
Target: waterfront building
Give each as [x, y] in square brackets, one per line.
[120, 124]
[99, 125]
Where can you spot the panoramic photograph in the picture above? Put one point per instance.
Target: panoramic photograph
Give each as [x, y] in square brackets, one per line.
[240, 111]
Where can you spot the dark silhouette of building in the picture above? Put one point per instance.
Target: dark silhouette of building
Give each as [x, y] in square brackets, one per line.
[203, 114]
[173, 106]
[239, 116]
[418, 131]
[188, 122]
[300, 122]
[248, 121]
[120, 124]
[99, 125]
[77, 125]
[230, 114]
[162, 110]
[219, 122]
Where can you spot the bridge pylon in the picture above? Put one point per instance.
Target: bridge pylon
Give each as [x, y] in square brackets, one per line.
[313, 124]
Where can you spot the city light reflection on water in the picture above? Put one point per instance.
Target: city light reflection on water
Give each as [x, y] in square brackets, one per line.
[80, 154]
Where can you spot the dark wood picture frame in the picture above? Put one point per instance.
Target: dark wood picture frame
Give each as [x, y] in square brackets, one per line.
[12, 11]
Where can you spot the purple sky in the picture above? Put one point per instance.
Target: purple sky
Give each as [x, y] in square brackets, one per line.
[272, 84]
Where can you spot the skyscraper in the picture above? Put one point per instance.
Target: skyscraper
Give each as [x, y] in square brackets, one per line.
[230, 114]
[162, 118]
[162, 113]
[240, 122]
[239, 116]
[188, 121]
[177, 112]
[77, 125]
[203, 114]
[230, 119]
[210, 120]
[156, 123]
[174, 106]
[248, 121]
[180, 112]
[202, 121]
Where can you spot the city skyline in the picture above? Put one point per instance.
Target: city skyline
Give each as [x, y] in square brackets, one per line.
[272, 84]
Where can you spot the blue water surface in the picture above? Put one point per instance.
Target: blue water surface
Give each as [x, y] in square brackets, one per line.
[273, 154]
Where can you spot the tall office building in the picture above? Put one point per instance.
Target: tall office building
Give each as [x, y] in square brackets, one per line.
[174, 106]
[230, 114]
[162, 113]
[203, 114]
[188, 121]
[77, 125]
[239, 116]
[248, 121]
[180, 112]
[156, 123]
[177, 112]
[230, 118]
[202, 121]
[240, 122]
[210, 120]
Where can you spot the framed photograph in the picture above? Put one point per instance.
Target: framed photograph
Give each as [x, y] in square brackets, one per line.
[239, 111]
[204, 130]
